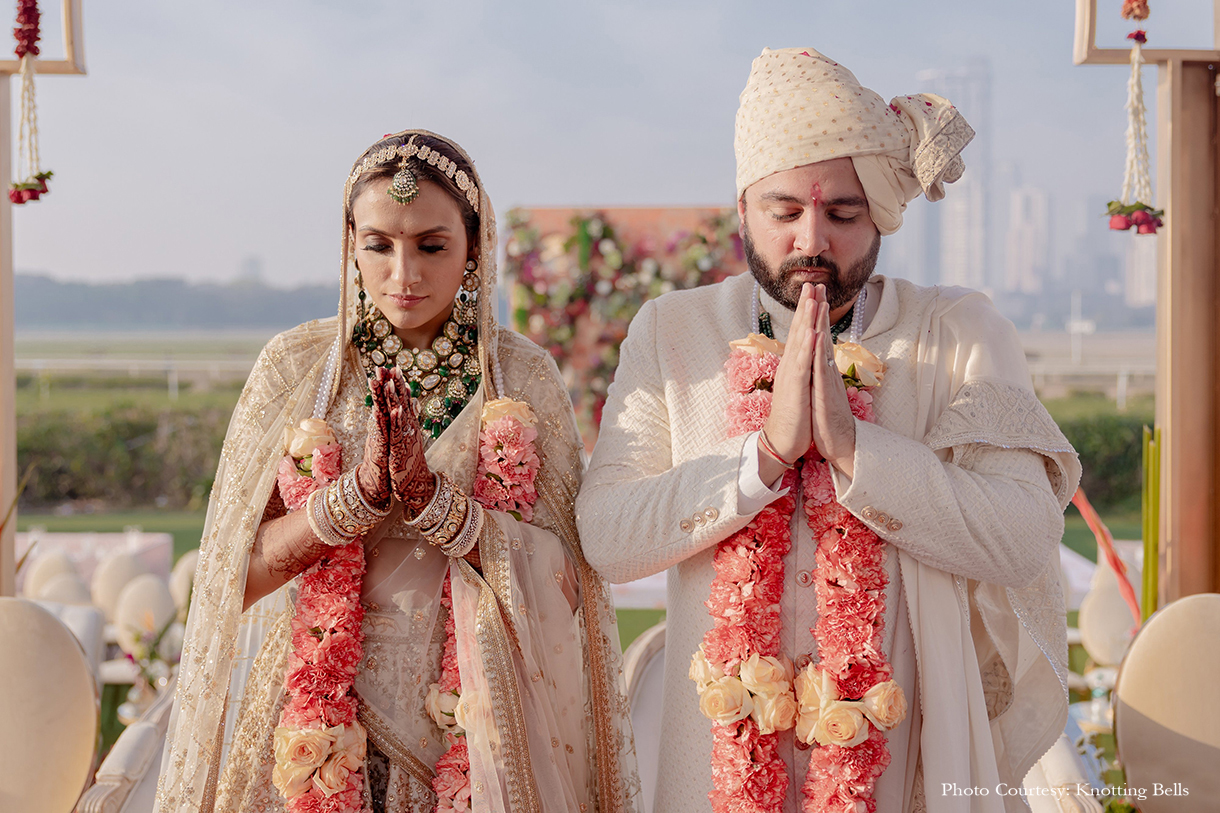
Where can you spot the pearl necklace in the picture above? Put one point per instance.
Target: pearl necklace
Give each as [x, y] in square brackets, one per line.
[855, 319]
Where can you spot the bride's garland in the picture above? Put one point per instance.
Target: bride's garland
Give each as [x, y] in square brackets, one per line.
[319, 745]
[508, 467]
[844, 701]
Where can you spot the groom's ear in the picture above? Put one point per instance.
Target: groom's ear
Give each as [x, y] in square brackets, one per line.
[741, 216]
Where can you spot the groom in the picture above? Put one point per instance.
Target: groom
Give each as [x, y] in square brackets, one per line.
[886, 624]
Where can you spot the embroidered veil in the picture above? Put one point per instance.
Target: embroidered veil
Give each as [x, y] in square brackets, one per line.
[552, 730]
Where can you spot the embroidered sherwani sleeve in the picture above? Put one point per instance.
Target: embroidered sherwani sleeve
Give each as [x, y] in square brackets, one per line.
[639, 511]
[989, 513]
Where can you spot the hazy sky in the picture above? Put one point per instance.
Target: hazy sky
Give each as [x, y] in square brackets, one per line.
[208, 133]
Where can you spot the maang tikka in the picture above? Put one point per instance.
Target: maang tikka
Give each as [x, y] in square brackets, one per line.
[404, 188]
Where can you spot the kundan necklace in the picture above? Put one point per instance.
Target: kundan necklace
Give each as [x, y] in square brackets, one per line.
[442, 377]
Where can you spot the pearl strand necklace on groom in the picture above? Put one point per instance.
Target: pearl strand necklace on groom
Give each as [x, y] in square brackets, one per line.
[854, 333]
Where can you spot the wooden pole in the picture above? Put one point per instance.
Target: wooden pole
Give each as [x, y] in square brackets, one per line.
[1186, 391]
[8, 376]
[73, 63]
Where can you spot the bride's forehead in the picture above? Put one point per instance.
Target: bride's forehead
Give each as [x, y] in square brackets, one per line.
[374, 206]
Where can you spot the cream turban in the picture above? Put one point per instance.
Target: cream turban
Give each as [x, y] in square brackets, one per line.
[800, 107]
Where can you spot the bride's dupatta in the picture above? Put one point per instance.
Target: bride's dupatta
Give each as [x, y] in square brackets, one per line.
[535, 626]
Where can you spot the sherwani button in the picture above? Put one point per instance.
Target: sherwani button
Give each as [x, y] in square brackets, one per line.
[698, 518]
[686, 525]
[895, 526]
[804, 578]
[883, 518]
[711, 514]
[803, 661]
[868, 512]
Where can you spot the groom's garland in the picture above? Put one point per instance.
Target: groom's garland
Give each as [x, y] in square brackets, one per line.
[844, 701]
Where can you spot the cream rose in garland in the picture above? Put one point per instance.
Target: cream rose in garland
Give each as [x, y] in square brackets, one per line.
[842, 703]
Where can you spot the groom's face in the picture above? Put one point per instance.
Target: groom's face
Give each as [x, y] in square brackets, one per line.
[810, 224]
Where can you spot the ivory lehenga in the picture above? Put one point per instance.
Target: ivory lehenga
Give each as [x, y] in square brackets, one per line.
[535, 628]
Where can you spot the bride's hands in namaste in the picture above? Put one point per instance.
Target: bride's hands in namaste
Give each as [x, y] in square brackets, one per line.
[789, 428]
[373, 473]
[410, 479]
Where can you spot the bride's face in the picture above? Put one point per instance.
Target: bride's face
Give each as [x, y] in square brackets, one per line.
[411, 257]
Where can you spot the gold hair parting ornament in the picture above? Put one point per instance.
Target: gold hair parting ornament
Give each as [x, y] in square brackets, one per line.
[404, 188]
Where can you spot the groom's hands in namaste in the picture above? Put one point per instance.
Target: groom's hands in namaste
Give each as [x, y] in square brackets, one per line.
[789, 428]
[833, 425]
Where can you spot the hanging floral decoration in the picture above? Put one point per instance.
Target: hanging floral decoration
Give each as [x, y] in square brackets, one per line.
[1132, 210]
[575, 292]
[33, 183]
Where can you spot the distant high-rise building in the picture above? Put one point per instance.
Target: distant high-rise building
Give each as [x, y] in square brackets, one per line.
[965, 212]
[1027, 244]
[1140, 287]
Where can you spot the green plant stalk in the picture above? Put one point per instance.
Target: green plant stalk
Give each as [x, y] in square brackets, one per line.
[1146, 516]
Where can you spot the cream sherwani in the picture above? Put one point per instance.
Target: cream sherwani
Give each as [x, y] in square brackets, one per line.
[964, 475]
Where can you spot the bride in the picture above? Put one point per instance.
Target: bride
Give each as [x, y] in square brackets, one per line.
[392, 611]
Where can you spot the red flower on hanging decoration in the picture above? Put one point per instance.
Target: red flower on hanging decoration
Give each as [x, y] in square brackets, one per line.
[1138, 35]
[1135, 9]
[27, 30]
[1143, 217]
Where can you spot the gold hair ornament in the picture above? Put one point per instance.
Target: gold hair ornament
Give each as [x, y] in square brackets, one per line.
[404, 188]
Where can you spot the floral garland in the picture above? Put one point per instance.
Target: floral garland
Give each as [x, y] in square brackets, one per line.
[27, 32]
[844, 701]
[508, 467]
[320, 747]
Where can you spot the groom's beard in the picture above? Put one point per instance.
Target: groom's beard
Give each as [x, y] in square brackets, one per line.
[841, 288]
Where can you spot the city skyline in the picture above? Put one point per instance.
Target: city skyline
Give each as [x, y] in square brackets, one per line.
[202, 149]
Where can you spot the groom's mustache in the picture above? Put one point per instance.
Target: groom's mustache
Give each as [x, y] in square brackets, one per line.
[803, 262]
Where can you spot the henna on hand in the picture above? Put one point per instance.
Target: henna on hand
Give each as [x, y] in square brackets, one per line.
[412, 480]
[373, 471]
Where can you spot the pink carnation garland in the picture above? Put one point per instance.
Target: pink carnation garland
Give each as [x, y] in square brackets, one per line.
[327, 645]
[748, 775]
[508, 467]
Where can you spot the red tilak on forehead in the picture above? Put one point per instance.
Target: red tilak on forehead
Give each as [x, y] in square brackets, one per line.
[816, 193]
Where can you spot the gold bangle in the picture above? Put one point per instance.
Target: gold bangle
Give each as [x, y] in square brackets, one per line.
[468, 537]
[355, 505]
[438, 507]
[765, 442]
[319, 523]
[452, 524]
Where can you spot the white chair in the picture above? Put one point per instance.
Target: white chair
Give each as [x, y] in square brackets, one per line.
[1167, 710]
[644, 674]
[86, 624]
[126, 781]
[144, 608]
[111, 576]
[1057, 784]
[49, 704]
[182, 580]
[42, 569]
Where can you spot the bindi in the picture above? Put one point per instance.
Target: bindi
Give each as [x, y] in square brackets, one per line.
[815, 193]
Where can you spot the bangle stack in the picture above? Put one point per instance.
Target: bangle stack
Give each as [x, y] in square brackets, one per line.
[451, 520]
[341, 512]
[770, 450]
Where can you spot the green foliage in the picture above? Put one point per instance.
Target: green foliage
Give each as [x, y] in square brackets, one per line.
[1110, 448]
[121, 455]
